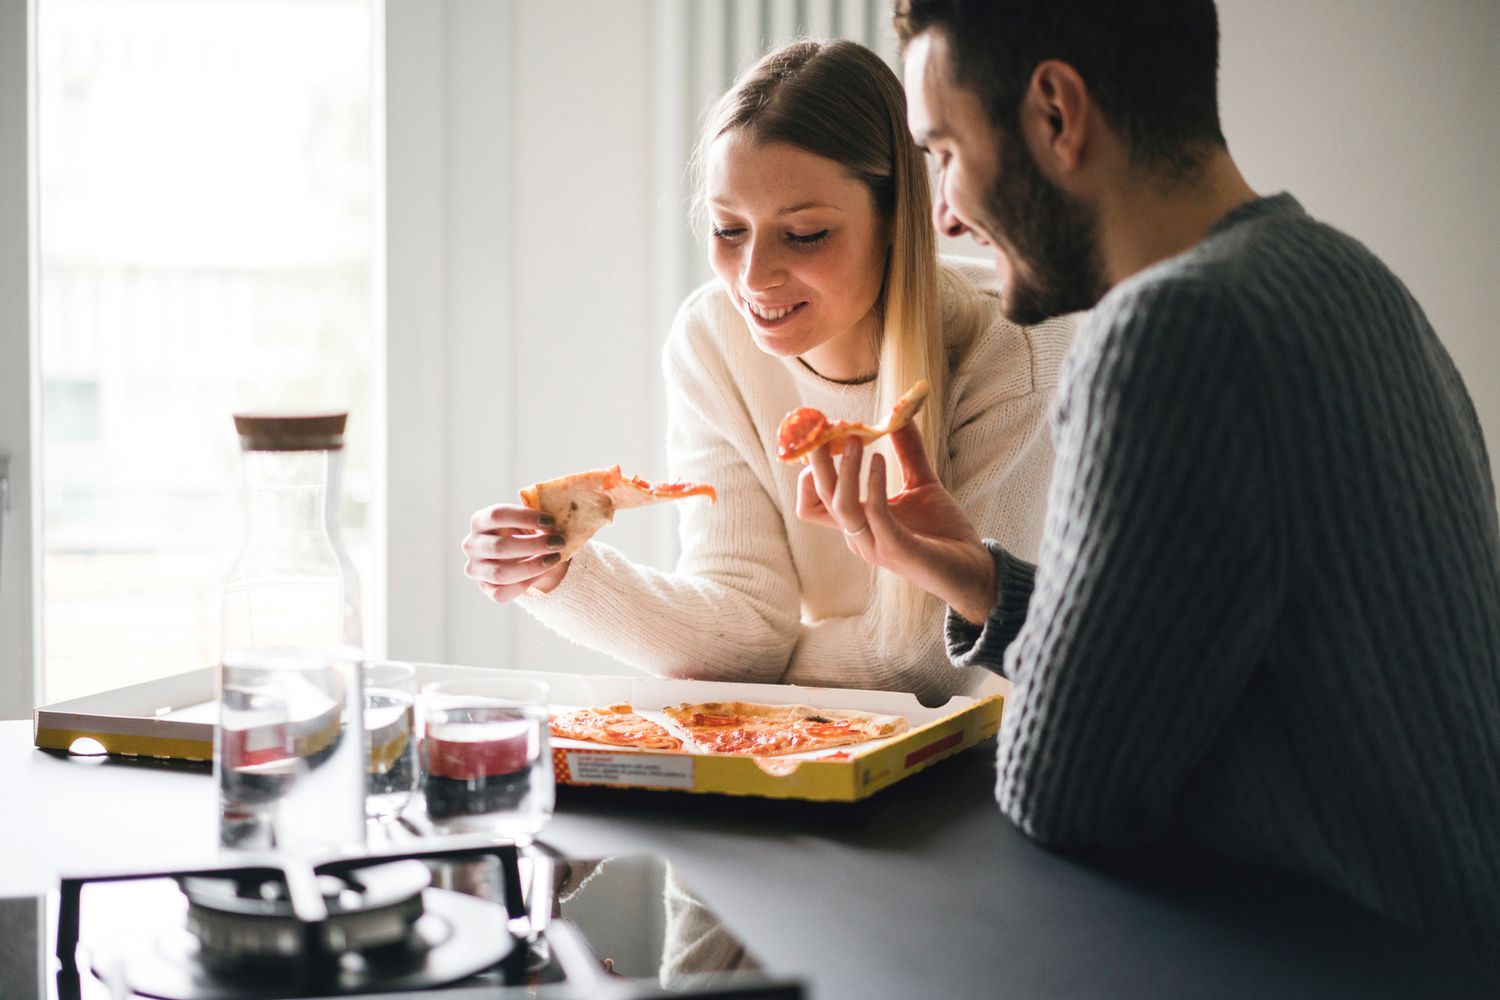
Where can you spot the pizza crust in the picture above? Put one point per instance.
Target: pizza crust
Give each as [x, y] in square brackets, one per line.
[584, 502]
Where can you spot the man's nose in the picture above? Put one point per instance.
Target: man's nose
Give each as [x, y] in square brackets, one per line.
[944, 221]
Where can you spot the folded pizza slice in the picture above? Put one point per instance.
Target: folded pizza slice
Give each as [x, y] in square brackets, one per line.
[584, 502]
[741, 727]
[806, 429]
[615, 725]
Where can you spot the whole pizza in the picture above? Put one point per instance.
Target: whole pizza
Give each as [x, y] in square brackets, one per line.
[729, 727]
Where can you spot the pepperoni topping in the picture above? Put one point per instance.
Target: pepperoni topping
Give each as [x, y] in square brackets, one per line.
[798, 430]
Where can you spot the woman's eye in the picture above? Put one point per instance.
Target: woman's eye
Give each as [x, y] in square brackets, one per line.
[809, 239]
[727, 233]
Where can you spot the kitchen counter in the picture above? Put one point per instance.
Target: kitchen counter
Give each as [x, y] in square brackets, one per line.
[922, 891]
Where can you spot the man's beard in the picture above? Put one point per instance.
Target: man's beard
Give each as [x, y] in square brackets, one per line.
[1050, 238]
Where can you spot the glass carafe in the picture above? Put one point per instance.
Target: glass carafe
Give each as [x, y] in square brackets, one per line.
[289, 754]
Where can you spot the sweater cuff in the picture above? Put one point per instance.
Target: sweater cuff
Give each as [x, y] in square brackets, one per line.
[984, 645]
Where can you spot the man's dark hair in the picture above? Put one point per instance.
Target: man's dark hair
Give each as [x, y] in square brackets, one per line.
[1150, 65]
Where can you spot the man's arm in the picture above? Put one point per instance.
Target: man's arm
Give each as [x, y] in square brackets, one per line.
[1158, 577]
[1157, 584]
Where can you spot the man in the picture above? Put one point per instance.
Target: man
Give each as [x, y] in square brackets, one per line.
[1266, 617]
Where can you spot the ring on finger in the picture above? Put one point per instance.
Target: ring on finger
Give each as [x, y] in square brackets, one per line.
[858, 531]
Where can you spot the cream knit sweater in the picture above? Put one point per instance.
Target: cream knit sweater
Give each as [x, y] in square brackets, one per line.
[761, 596]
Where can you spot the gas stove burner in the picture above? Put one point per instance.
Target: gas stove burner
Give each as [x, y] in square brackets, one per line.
[245, 921]
[458, 936]
[286, 929]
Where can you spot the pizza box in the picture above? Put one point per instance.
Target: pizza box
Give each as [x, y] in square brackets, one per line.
[173, 719]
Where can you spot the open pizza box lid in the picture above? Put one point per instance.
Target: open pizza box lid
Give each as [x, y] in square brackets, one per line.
[173, 718]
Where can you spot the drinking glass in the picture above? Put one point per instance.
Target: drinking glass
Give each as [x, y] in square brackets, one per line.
[288, 756]
[487, 768]
[390, 738]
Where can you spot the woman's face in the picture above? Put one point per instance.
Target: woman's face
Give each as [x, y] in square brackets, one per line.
[801, 251]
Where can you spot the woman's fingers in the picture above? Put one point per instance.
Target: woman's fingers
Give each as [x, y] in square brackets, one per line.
[810, 506]
[508, 544]
[847, 510]
[502, 594]
[825, 479]
[509, 515]
[911, 455]
[508, 571]
[883, 525]
[508, 547]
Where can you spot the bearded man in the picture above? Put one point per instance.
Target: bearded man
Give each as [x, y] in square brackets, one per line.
[1266, 616]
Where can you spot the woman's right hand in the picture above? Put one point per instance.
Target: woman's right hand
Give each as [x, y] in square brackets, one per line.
[510, 549]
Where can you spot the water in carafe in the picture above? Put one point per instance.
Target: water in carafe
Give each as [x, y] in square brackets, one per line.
[289, 756]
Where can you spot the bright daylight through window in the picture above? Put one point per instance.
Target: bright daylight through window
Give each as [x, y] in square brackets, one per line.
[206, 198]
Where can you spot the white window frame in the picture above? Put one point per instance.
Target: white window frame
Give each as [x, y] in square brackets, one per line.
[20, 664]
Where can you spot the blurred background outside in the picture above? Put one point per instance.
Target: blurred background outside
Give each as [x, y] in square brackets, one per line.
[206, 245]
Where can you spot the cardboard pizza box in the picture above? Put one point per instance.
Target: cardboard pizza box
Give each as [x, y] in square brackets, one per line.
[173, 719]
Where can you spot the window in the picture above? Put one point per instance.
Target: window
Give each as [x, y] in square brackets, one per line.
[206, 224]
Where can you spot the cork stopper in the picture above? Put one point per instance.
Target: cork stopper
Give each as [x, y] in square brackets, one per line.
[290, 431]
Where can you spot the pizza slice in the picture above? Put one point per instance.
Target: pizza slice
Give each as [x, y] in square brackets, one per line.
[770, 730]
[615, 725]
[584, 502]
[806, 429]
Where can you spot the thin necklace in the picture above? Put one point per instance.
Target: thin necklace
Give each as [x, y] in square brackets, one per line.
[862, 380]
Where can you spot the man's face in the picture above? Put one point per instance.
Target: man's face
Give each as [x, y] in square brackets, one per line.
[1045, 240]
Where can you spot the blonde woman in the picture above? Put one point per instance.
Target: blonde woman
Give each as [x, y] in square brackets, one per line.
[829, 293]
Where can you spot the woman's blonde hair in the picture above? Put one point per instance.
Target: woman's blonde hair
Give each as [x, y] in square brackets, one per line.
[839, 100]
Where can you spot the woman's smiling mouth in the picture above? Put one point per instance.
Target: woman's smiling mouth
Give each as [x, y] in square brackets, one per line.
[769, 316]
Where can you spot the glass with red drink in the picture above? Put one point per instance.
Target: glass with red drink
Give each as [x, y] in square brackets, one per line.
[487, 768]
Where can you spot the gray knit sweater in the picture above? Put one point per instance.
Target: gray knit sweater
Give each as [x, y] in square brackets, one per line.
[1266, 615]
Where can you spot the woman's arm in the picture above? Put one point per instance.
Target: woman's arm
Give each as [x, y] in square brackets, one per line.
[730, 610]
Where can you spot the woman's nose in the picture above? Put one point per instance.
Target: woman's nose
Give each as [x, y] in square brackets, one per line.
[762, 267]
[944, 221]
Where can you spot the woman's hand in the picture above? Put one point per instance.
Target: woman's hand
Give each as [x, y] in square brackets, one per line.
[921, 533]
[511, 549]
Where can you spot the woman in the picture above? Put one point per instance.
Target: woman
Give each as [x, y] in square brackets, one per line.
[829, 294]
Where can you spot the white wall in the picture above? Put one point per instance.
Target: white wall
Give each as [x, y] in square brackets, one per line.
[1383, 118]
[1380, 115]
[586, 268]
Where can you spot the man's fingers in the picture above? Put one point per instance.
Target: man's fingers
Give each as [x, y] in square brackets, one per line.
[510, 515]
[916, 470]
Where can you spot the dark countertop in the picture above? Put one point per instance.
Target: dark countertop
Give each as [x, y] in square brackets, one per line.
[924, 890]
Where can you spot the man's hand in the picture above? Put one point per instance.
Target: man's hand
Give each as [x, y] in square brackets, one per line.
[921, 533]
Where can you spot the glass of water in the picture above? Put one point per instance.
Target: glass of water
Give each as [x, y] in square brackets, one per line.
[288, 756]
[390, 738]
[487, 767]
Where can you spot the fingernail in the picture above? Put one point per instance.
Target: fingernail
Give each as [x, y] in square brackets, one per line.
[551, 558]
[546, 520]
[555, 541]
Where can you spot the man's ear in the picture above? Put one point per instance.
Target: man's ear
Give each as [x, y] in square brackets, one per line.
[1055, 118]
